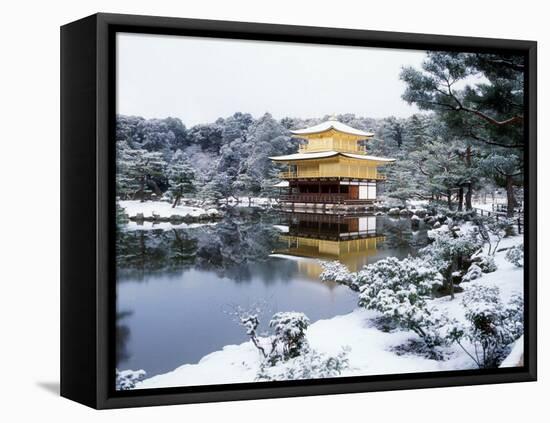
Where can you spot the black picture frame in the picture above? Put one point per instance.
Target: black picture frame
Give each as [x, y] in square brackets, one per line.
[87, 210]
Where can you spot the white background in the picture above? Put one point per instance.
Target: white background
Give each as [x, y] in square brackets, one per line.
[29, 212]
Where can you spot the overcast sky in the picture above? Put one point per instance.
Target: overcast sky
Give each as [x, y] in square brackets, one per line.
[201, 79]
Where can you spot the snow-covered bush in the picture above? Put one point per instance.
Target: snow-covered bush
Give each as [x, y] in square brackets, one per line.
[491, 325]
[289, 339]
[515, 255]
[289, 334]
[420, 212]
[485, 262]
[451, 251]
[474, 272]
[310, 365]
[399, 289]
[127, 379]
[337, 272]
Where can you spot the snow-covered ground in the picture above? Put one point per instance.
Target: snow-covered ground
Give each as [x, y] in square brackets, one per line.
[163, 209]
[371, 350]
[251, 202]
[165, 226]
[489, 206]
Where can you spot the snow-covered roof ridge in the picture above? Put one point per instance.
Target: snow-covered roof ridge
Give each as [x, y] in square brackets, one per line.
[363, 156]
[332, 124]
[326, 154]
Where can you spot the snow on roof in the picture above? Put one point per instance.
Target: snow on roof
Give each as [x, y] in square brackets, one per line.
[325, 154]
[332, 124]
[300, 156]
[281, 184]
[362, 156]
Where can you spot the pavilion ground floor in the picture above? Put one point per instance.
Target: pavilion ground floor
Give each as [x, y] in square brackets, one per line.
[329, 193]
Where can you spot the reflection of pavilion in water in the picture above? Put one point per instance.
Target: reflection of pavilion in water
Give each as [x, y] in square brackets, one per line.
[350, 239]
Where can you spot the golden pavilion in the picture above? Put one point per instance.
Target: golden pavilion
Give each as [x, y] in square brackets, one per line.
[332, 167]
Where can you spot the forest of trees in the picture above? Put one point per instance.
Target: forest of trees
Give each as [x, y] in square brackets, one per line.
[468, 140]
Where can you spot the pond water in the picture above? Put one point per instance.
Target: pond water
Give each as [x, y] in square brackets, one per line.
[177, 289]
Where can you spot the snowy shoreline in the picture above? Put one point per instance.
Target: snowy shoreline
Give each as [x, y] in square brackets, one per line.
[372, 351]
[162, 211]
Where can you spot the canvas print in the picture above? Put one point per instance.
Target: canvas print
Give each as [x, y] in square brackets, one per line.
[290, 211]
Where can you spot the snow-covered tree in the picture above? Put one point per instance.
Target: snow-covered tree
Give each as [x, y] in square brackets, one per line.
[492, 231]
[488, 113]
[394, 130]
[181, 177]
[491, 327]
[505, 169]
[217, 188]
[418, 128]
[266, 137]
[515, 255]
[139, 172]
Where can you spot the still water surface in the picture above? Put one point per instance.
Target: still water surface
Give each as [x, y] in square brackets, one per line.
[176, 289]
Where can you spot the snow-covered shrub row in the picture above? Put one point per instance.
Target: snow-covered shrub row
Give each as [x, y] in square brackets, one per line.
[491, 325]
[127, 379]
[515, 255]
[399, 290]
[310, 365]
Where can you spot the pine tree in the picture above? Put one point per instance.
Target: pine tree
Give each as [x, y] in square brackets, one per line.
[139, 172]
[181, 177]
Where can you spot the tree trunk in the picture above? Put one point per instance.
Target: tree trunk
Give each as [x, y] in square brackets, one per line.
[450, 279]
[469, 196]
[140, 193]
[176, 201]
[460, 198]
[153, 185]
[510, 198]
[449, 200]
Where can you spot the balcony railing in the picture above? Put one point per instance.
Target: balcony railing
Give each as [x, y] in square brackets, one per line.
[343, 173]
[358, 149]
[323, 198]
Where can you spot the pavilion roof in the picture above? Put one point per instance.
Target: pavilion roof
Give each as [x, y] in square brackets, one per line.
[332, 124]
[327, 154]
